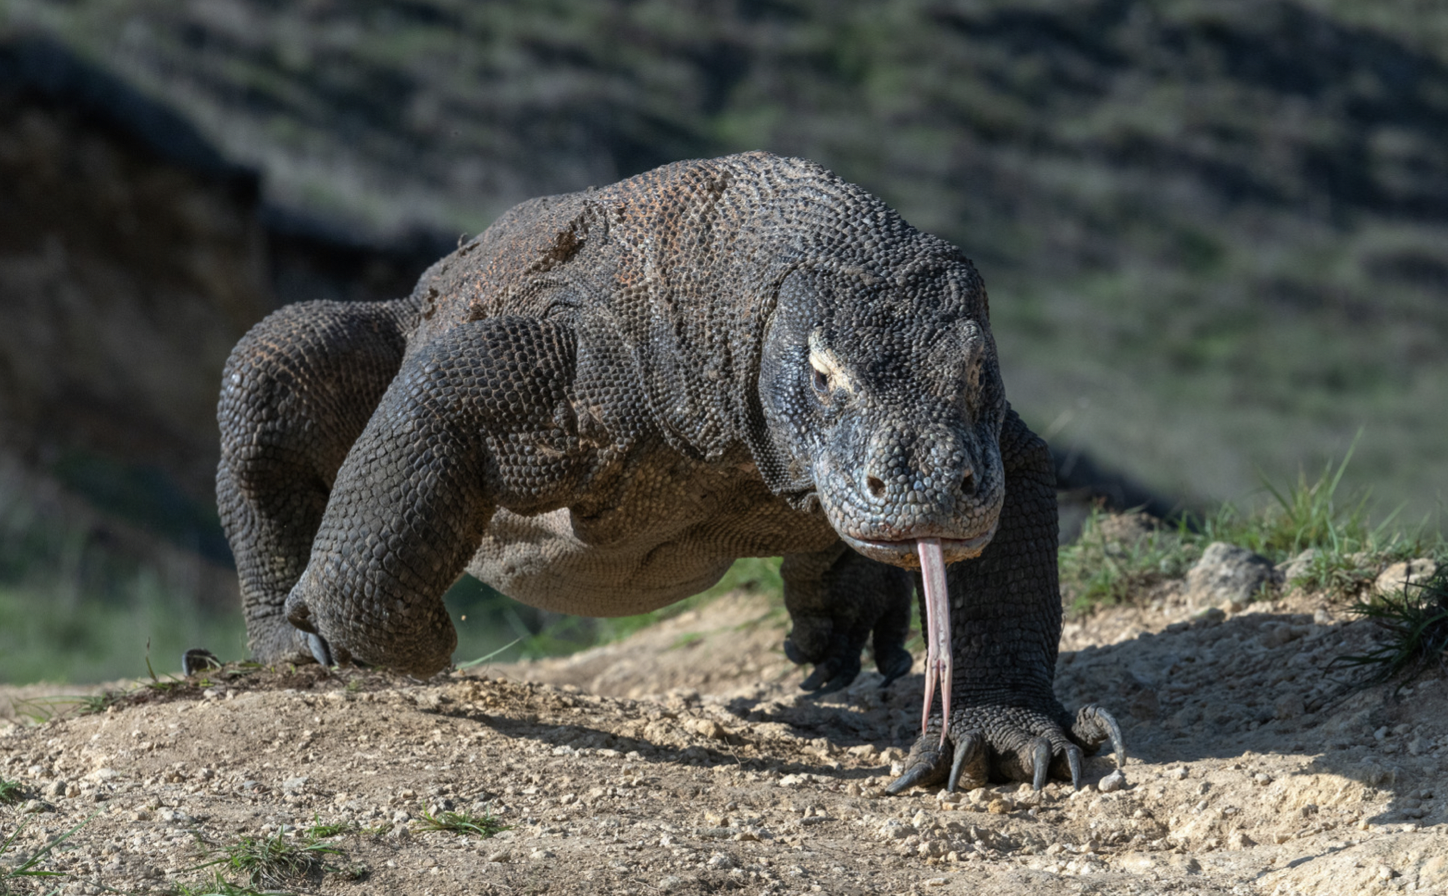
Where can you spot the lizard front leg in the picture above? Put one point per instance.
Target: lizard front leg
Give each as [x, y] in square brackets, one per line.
[1005, 722]
[478, 418]
[297, 391]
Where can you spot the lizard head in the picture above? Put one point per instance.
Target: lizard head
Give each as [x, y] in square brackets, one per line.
[882, 396]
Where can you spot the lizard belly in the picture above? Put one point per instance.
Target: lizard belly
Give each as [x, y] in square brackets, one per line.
[668, 534]
[540, 561]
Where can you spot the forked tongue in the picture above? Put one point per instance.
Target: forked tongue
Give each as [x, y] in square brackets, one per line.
[937, 628]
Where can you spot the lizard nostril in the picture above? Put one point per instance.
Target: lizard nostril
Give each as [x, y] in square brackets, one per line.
[875, 485]
[967, 484]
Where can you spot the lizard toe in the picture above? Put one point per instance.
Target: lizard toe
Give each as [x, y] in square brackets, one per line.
[1095, 726]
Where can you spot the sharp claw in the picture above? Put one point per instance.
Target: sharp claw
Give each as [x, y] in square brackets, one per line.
[1073, 759]
[912, 776]
[836, 682]
[965, 748]
[321, 652]
[1118, 746]
[826, 678]
[1040, 762]
[937, 624]
[1092, 722]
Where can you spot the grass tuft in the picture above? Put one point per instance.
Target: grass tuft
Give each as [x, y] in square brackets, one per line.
[482, 825]
[1416, 622]
[1119, 556]
[11, 791]
[1307, 515]
[272, 861]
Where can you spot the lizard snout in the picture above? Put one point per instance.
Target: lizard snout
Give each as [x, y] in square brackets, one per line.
[913, 482]
[925, 469]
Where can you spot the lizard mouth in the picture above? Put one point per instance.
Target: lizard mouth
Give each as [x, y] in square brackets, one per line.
[903, 552]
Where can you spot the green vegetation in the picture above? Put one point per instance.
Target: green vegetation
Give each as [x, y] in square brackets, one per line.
[88, 639]
[1116, 557]
[11, 791]
[1121, 555]
[1416, 623]
[75, 608]
[472, 824]
[272, 862]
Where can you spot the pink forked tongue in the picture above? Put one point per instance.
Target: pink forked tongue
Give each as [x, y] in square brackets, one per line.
[937, 627]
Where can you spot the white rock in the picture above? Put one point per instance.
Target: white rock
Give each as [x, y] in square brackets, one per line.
[1112, 782]
[1400, 576]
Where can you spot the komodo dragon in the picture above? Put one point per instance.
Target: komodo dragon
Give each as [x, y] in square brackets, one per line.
[604, 399]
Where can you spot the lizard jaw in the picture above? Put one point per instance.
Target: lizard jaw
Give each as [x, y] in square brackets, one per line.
[905, 554]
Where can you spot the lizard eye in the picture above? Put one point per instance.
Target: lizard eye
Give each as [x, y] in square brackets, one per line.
[821, 383]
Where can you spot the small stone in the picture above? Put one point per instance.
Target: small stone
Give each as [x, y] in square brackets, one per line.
[500, 855]
[1113, 782]
[708, 728]
[999, 807]
[540, 853]
[721, 861]
[1405, 574]
[1179, 773]
[1239, 840]
[1228, 575]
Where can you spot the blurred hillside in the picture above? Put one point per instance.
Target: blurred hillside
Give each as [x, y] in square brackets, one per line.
[1214, 231]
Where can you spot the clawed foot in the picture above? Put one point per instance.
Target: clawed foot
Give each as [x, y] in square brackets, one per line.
[1011, 743]
[840, 666]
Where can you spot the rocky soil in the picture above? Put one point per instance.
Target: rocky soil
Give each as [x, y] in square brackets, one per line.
[685, 760]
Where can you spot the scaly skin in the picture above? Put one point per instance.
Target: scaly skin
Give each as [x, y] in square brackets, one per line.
[604, 399]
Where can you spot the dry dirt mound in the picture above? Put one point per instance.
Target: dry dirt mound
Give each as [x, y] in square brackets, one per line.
[685, 760]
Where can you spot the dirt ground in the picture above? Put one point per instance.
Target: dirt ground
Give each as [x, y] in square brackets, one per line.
[685, 760]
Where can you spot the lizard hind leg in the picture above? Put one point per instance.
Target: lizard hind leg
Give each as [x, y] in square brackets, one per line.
[838, 600]
[296, 392]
